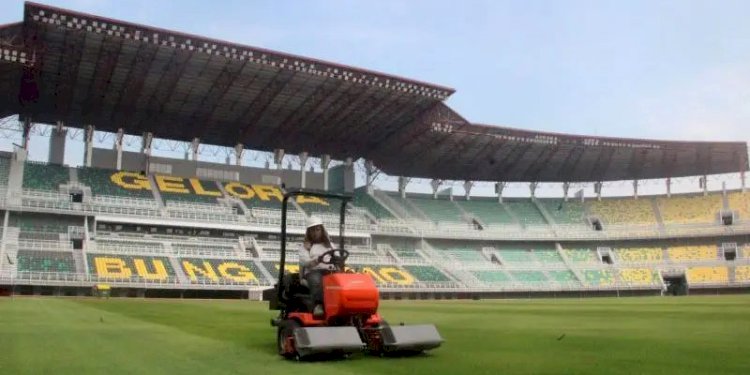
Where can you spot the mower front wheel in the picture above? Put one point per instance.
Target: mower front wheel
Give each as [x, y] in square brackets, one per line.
[285, 339]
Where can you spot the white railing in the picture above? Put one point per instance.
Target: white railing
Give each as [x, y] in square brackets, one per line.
[197, 206]
[109, 200]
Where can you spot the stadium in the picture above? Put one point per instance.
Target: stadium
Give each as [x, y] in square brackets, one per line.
[141, 225]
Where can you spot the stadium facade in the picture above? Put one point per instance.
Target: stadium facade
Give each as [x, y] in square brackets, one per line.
[149, 225]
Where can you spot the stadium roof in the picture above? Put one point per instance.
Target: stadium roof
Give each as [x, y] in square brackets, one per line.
[60, 65]
[443, 145]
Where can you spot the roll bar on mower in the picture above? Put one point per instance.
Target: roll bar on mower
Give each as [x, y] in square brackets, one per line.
[310, 193]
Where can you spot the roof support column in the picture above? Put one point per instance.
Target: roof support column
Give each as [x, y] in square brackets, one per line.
[532, 189]
[566, 189]
[435, 186]
[669, 187]
[467, 189]
[325, 162]
[598, 190]
[402, 182]
[278, 158]
[118, 147]
[194, 145]
[146, 140]
[57, 144]
[89, 145]
[742, 180]
[369, 175]
[27, 126]
[703, 183]
[499, 187]
[302, 165]
[635, 189]
[239, 152]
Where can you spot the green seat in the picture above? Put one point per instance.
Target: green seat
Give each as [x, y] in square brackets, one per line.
[45, 261]
[599, 277]
[526, 212]
[571, 212]
[101, 183]
[492, 277]
[563, 276]
[548, 256]
[582, 255]
[426, 273]
[489, 211]
[364, 200]
[438, 210]
[516, 255]
[49, 177]
[529, 277]
[222, 271]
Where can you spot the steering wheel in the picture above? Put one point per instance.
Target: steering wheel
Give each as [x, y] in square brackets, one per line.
[336, 257]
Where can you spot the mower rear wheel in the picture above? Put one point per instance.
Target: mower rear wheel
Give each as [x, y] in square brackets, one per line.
[285, 335]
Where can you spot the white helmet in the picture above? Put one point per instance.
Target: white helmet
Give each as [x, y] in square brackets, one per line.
[313, 221]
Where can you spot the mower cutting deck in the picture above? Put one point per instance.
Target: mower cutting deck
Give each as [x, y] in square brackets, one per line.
[350, 322]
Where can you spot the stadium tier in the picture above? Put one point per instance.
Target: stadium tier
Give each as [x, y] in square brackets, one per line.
[138, 221]
[123, 254]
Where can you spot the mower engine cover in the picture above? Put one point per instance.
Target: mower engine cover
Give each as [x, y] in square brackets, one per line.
[347, 294]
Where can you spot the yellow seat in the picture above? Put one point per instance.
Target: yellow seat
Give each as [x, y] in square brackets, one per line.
[688, 210]
[639, 254]
[742, 273]
[637, 276]
[689, 253]
[708, 274]
[624, 211]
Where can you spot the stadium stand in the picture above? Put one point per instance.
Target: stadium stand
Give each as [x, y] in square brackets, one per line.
[438, 210]
[526, 211]
[598, 278]
[581, 255]
[492, 277]
[139, 268]
[45, 261]
[548, 256]
[426, 273]
[191, 190]
[715, 275]
[637, 276]
[639, 254]
[222, 271]
[571, 212]
[693, 253]
[529, 277]
[624, 210]
[4, 171]
[517, 256]
[162, 224]
[366, 201]
[742, 273]
[488, 211]
[117, 184]
[39, 176]
[741, 202]
[563, 277]
[691, 209]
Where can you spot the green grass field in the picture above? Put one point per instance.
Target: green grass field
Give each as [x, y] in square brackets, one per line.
[695, 335]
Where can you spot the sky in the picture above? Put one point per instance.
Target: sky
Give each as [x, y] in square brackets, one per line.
[674, 70]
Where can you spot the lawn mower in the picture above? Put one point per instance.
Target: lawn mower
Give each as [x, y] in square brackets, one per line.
[350, 322]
